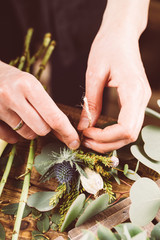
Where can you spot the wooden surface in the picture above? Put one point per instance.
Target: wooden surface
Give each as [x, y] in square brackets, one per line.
[11, 194]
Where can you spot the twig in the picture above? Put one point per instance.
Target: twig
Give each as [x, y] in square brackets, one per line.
[7, 169]
[24, 194]
[125, 182]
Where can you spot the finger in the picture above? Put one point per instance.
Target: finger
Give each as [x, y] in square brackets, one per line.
[126, 130]
[53, 116]
[104, 147]
[12, 119]
[7, 134]
[95, 83]
[74, 144]
[31, 118]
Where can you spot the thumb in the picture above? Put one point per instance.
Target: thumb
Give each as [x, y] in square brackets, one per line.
[92, 103]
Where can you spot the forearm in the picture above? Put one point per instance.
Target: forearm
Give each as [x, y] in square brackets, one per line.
[127, 15]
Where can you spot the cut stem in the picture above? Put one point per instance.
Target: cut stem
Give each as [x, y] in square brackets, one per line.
[45, 59]
[3, 145]
[7, 169]
[26, 55]
[40, 52]
[24, 194]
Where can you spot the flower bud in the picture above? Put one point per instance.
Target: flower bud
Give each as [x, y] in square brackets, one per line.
[115, 161]
[93, 183]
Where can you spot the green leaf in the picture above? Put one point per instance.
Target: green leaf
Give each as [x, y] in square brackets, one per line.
[155, 234]
[43, 161]
[88, 235]
[40, 201]
[132, 175]
[125, 169]
[114, 174]
[73, 211]
[36, 214]
[96, 206]
[127, 230]
[105, 233]
[139, 154]
[36, 235]
[145, 198]
[151, 138]
[54, 227]
[140, 236]
[2, 232]
[43, 223]
[56, 218]
[11, 209]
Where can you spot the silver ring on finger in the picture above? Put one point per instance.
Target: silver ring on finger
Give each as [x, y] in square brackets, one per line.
[19, 125]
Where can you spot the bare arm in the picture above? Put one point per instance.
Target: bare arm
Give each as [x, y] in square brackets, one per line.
[115, 61]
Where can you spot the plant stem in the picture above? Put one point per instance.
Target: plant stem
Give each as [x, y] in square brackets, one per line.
[24, 194]
[152, 113]
[3, 145]
[45, 44]
[45, 59]
[7, 169]
[25, 57]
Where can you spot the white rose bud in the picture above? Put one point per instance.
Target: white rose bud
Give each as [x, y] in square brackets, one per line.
[93, 183]
[115, 161]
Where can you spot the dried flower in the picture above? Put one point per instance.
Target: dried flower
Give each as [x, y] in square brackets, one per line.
[93, 183]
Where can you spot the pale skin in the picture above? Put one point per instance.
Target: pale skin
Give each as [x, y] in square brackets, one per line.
[114, 61]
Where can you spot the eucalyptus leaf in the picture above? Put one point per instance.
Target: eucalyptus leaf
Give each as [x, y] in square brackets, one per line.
[2, 232]
[155, 234]
[132, 175]
[127, 230]
[104, 233]
[11, 209]
[145, 198]
[151, 138]
[114, 174]
[40, 201]
[125, 170]
[139, 154]
[73, 211]
[96, 206]
[140, 236]
[43, 223]
[43, 161]
[88, 235]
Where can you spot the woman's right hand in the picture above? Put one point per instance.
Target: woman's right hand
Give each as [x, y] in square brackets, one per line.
[22, 97]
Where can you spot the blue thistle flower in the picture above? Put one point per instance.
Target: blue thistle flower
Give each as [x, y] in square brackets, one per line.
[63, 172]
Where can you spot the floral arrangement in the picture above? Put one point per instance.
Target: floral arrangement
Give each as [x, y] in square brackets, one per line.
[84, 178]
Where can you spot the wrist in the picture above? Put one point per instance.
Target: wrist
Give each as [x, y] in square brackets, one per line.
[126, 16]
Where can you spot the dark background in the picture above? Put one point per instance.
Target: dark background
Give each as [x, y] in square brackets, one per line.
[73, 25]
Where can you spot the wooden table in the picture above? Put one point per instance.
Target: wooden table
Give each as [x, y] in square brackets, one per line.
[11, 194]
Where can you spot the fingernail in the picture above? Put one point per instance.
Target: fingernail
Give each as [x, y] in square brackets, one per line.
[74, 145]
[86, 144]
[84, 123]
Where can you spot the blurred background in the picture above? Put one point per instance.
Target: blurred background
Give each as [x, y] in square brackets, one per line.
[73, 25]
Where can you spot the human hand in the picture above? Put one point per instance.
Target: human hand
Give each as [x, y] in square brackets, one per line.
[114, 61]
[23, 97]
